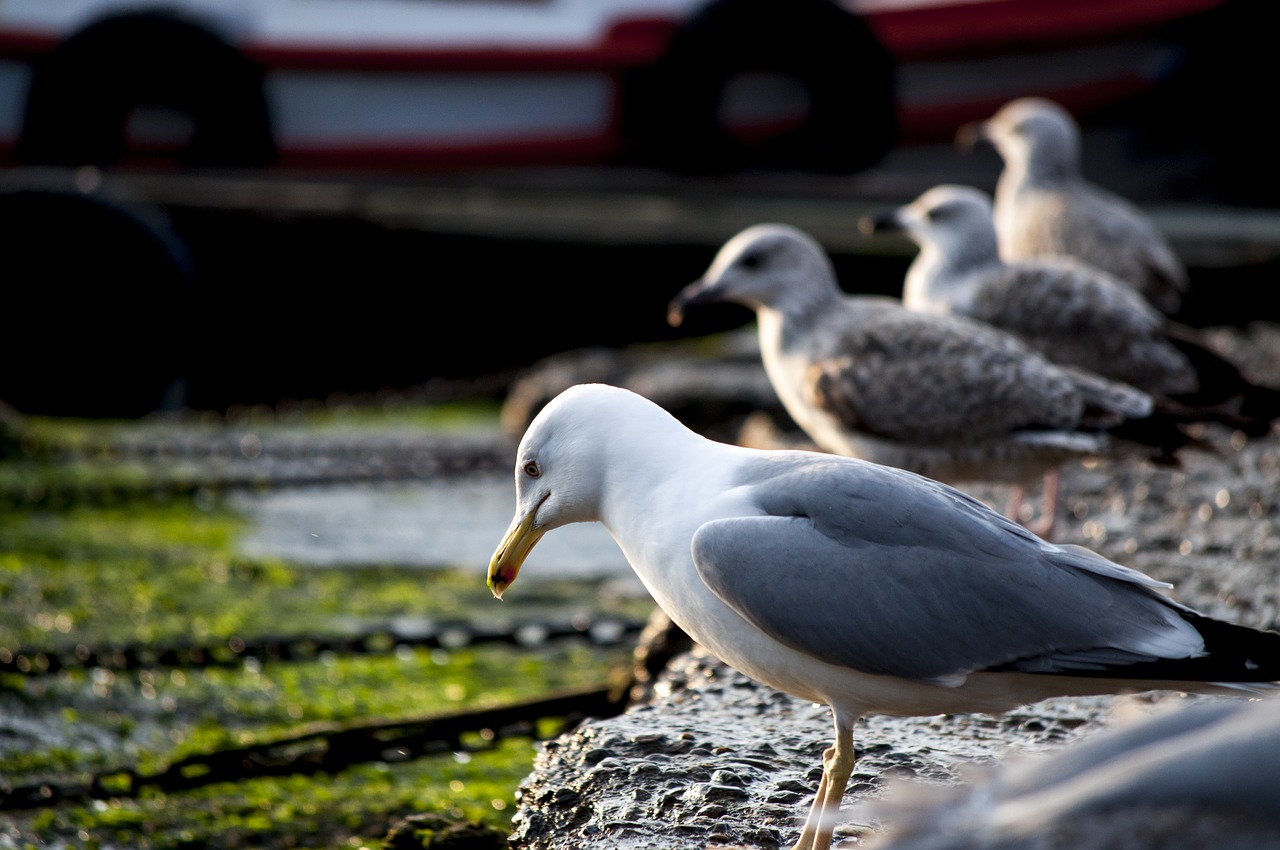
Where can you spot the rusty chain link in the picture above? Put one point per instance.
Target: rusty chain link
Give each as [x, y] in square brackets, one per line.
[234, 650]
[332, 748]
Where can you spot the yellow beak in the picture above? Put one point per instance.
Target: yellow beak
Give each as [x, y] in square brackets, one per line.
[514, 548]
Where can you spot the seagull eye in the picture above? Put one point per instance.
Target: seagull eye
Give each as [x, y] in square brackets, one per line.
[752, 260]
[532, 469]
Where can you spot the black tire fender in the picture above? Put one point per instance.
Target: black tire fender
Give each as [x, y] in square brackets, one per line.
[99, 291]
[670, 110]
[82, 93]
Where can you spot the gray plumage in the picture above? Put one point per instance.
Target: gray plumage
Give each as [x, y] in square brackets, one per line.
[1069, 311]
[1072, 313]
[853, 538]
[1044, 206]
[944, 396]
[864, 587]
[1203, 775]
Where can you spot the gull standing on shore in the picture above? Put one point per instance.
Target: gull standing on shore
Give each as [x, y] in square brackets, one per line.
[1071, 312]
[1044, 206]
[867, 588]
[944, 396]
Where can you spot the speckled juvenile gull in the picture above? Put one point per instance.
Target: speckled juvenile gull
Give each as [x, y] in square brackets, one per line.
[1044, 206]
[944, 396]
[1206, 775]
[1071, 312]
[867, 588]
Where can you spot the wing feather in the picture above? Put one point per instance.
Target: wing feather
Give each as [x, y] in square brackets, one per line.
[894, 574]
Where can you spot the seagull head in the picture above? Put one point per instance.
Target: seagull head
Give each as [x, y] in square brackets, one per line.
[760, 267]
[1031, 133]
[558, 472]
[578, 458]
[955, 220]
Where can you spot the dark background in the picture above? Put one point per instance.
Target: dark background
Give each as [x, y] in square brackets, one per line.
[118, 305]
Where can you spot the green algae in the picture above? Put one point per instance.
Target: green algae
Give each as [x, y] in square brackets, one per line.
[155, 568]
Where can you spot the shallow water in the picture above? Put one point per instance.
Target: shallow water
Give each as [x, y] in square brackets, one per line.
[455, 522]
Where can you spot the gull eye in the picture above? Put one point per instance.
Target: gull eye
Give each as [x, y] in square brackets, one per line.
[752, 260]
[532, 469]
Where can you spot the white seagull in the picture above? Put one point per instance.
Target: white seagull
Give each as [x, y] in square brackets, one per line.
[864, 587]
[944, 396]
[1071, 312]
[1044, 206]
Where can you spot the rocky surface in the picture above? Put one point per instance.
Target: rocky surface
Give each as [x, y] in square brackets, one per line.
[713, 759]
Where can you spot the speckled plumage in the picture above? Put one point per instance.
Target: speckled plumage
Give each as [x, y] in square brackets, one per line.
[1045, 207]
[1072, 313]
[944, 396]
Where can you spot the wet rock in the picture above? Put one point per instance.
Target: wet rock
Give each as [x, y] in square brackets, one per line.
[710, 758]
[749, 778]
[438, 832]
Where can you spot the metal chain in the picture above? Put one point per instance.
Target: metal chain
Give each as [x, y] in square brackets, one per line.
[333, 748]
[234, 650]
[328, 748]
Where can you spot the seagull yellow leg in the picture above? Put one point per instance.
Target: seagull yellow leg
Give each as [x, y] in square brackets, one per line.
[1049, 514]
[814, 820]
[1013, 508]
[837, 765]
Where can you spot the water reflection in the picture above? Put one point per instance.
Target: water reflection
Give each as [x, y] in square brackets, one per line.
[455, 522]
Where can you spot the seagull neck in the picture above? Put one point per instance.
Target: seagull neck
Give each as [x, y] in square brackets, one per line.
[665, 490]
[656, 508]
[804, 302]
[938, 275]
[1041, 168]
[668, 452]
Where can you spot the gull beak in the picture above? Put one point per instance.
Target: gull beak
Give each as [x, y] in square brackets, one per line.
[970, 135]
[694, 293]
[882, 222]
[519, 541]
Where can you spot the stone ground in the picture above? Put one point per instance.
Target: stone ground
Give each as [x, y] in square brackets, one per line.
[713, 759]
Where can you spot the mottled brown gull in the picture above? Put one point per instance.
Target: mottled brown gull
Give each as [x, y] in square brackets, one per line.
[863, 587]
[1071, 312]
[944, 396]
[1044, 206]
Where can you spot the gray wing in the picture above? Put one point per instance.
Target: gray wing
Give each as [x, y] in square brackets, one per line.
[891, 573]
[1108, 232]
[1097, 227]
[1074, 315]
[929, 378]
[1054, 297]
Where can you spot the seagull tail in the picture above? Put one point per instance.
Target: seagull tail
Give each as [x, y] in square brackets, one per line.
[1227, 395]
[1161, 436]
[1243, 654]
[1251, 413]
[1234, 656]
[1261, 403]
